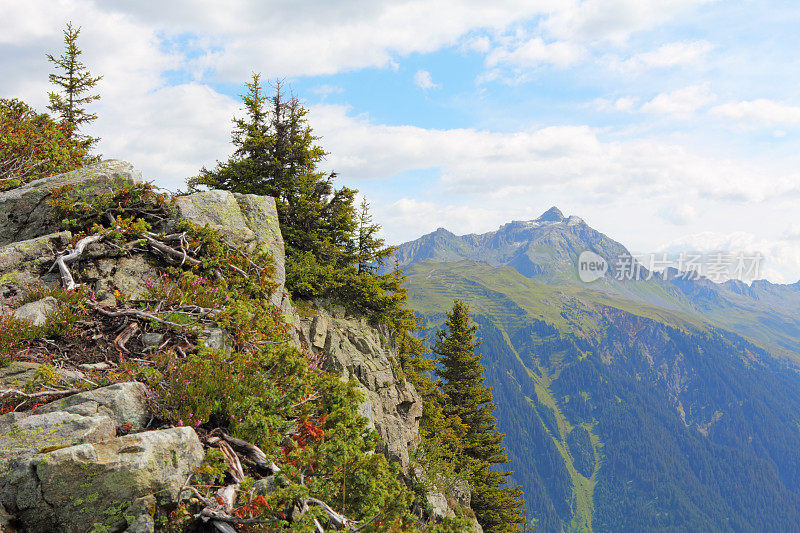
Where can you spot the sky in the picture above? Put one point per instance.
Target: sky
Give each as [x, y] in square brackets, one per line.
[669, 125]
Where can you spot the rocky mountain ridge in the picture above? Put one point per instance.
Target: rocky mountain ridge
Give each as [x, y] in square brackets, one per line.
[89, 460]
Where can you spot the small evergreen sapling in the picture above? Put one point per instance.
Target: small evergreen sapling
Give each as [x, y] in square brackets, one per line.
[72, 81]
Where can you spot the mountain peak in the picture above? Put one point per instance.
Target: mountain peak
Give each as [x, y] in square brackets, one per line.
[553, 214]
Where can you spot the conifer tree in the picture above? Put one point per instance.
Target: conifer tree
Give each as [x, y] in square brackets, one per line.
[276, 155]
[466, 399]
[73, 80]
[371, 250]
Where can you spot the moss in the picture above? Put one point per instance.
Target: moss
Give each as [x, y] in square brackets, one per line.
[10, 278]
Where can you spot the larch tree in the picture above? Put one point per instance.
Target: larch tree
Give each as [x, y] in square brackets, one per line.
[466, 399]
[73, 81]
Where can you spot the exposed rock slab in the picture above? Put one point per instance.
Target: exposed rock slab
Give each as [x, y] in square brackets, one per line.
[26, 262]
[355, 349]
[24, 213]
[247, 220]
[82, 486]
[18, 373]
[44, 431]
[124, 403]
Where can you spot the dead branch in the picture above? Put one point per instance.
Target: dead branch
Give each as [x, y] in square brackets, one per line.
[54, 392]
[339, 521]
[135, 313]
[68, 256]
[231, 459]
[170, 252]
[210, 514]
[250, 451]
[125, 336]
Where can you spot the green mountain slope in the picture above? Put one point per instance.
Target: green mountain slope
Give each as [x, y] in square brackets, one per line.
[628, 405]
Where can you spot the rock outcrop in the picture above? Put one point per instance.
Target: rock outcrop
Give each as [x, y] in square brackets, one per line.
[65, 469]
[355, 349]
[24, 213]
[87, 460]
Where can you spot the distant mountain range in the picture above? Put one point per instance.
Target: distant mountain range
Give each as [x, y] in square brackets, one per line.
[651, 403]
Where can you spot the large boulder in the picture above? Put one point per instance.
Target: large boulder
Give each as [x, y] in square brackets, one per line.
[99, 485]
[64, 469]
[355, 349]
[41, 432]
[24, 213]
[90, 416]
[247, 220]
[124, 403]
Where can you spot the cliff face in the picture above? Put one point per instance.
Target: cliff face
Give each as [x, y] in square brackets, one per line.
[355, 349]
[88, 459]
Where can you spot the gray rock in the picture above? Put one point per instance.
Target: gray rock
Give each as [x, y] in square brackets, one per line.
[216, 338]
[151, 340]
[18, 373]
[246, 219]
[355, 349]
[24, 213]
[93, 485]
[140, 515]
[128, 275]
[123, 403]
[25, 434]
[36, 312]
[220, 211]
[95, 366]
[261, 217]
[23, 262]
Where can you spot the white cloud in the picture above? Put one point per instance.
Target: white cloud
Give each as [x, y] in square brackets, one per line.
[681, 103]
[674, 54]
[612, 20]
[760, 110]
[418, 217]
[510, 165]
[680, 215]
[313, 38]
[327, 90]
[780, 261]
[534, 52]
[423, 80]
[625, 103]
[793, 232]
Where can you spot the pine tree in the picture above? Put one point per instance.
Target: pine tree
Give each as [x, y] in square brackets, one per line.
[276, 155]
[72, 82]
[466, 399]
[371, 250]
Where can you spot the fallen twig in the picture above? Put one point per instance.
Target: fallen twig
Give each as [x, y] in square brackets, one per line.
[67, 257]
[136, 313]
[171, 252]
[54, 392]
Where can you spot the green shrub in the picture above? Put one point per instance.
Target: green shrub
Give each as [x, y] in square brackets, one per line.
[33, 145]
[16, 335]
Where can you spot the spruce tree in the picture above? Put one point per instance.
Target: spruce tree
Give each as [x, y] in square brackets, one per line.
[371, 250]
[276, 154]
[73, 80]
[466, 399]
